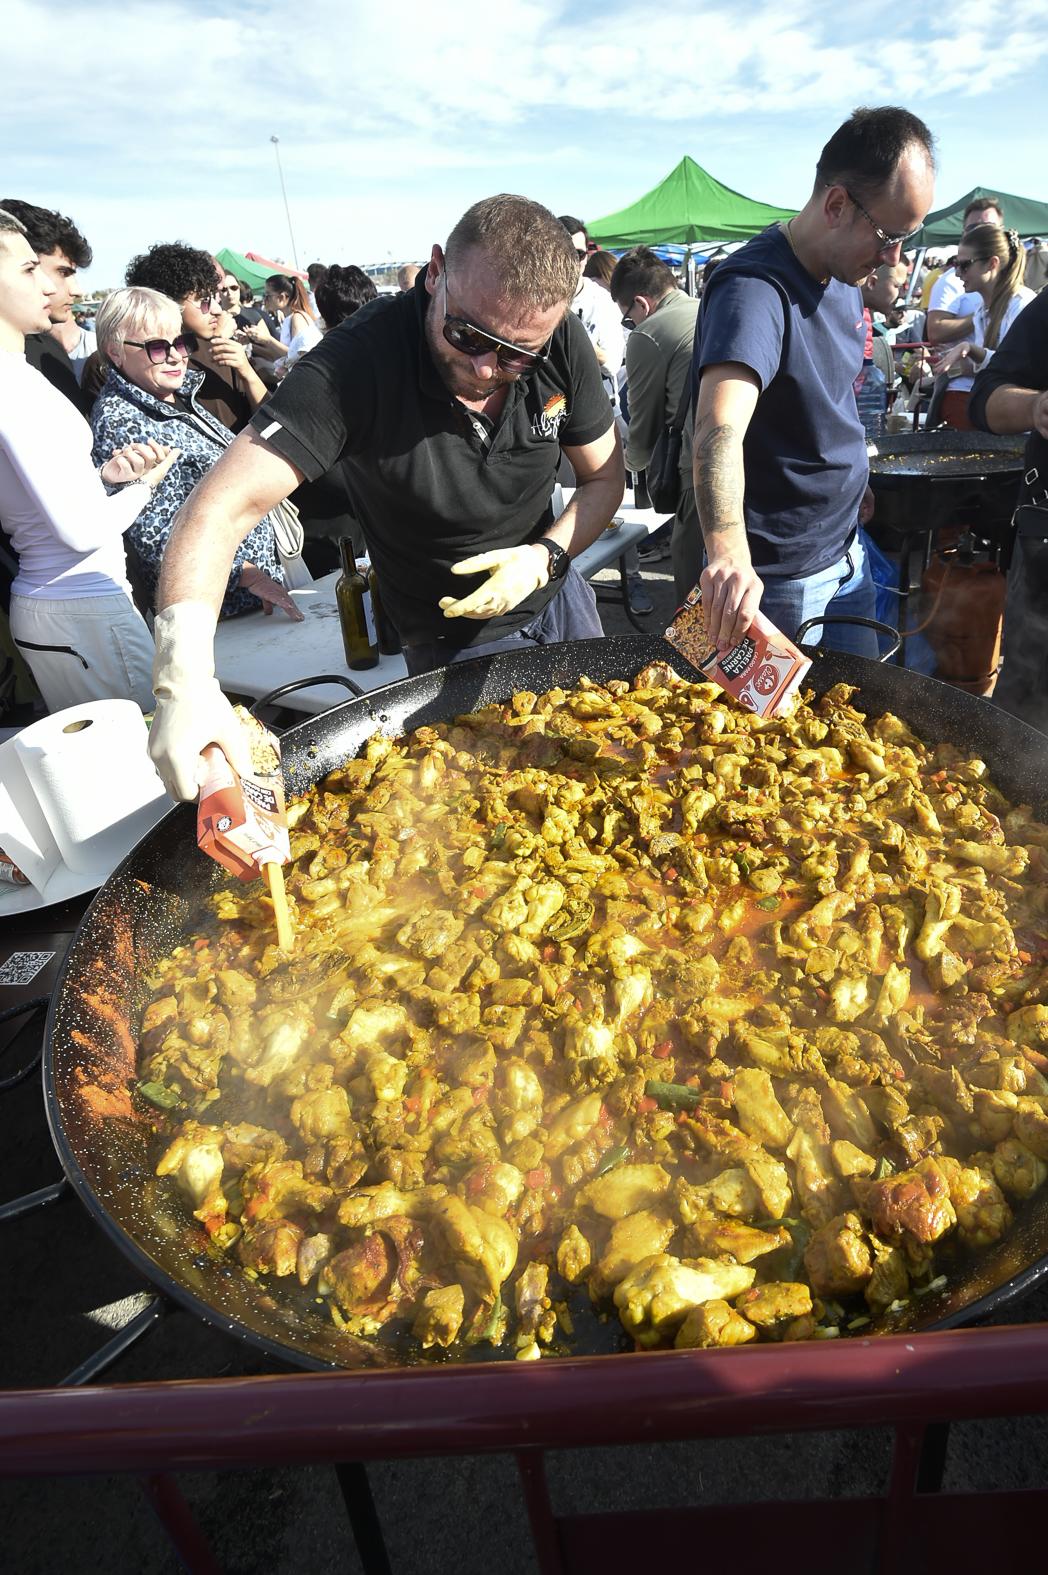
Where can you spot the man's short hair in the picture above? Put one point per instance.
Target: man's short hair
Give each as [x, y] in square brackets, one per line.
[573, 225]
[640, 272]
[9, 225]
[864, 153]
[530, 250]
[174, 269]
[47, 231]
[315, 273]
[979, 204]
[343, 291]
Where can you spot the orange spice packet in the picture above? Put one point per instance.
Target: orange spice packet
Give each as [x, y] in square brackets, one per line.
[762, 672]
[242, 821]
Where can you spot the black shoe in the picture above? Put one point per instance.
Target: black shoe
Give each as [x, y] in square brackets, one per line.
[639, 600]
[655, 547]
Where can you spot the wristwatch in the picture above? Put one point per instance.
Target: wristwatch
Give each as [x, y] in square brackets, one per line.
[558, 558]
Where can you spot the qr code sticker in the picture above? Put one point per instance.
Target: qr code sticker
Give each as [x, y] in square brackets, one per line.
[23, 967]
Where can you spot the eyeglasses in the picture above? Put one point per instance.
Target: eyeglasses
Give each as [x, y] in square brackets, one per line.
[962, 267]
[887, 241]
[229, 289]
[627, 320]
[158, 350]
[468, 339]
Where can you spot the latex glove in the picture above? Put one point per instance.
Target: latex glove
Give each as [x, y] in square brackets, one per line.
[191, 710]
[513, 573]
[269, 592]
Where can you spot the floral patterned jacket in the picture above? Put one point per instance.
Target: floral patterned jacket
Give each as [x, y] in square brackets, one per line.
[124, 413]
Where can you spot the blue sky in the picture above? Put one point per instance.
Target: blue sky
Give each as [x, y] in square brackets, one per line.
[149, 122]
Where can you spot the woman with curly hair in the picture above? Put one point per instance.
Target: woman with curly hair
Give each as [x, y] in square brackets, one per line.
[231, 389]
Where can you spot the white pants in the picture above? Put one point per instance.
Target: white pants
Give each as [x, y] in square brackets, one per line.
[87, 648]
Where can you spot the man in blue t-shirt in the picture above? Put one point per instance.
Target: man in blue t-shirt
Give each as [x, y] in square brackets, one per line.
[781, 472]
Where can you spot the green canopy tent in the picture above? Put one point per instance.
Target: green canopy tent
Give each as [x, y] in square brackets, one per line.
[247, 272]
[688, 208]
[944, 226]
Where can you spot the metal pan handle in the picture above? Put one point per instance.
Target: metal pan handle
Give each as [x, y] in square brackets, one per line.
[307, 683]
[867, 623]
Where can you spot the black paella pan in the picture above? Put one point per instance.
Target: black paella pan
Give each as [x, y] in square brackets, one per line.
[157, 893]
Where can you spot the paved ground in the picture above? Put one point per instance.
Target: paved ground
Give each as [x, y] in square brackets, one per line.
[463, 1516]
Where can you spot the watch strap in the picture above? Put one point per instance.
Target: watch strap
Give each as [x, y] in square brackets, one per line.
[558, 558]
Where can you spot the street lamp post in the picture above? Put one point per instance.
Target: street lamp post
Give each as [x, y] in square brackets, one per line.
[280, 171]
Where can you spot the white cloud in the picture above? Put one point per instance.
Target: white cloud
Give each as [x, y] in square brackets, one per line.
[392, 117]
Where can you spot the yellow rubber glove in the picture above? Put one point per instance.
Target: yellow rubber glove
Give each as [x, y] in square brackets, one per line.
[513, 573]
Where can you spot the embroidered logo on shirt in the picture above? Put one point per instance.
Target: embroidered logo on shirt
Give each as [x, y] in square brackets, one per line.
[552, 418]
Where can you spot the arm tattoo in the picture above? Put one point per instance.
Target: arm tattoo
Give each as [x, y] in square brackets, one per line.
[720, 480]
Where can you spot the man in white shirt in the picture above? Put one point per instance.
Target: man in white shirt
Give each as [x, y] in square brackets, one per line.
[948, 318]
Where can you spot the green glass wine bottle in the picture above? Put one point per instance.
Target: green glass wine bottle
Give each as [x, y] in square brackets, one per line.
[358, 630]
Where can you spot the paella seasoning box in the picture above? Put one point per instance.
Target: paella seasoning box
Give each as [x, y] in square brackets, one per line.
[241, 821]
[762, 672]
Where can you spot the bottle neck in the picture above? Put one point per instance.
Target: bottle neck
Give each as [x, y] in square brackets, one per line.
[345, 548]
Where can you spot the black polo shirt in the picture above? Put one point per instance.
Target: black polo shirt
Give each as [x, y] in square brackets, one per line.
[432, 483]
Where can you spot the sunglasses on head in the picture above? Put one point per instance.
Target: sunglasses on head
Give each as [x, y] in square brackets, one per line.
[468, 339]
[158, 350]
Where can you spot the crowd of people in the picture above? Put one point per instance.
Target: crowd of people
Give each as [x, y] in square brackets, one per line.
[194, 455]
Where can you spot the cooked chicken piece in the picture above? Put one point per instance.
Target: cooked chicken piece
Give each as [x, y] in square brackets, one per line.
[538, 1320]
[574, 1255]
[439, 1317]
[815, 1177]
[847, 1115]
[280, 1188]
[983, 1216]
[492, 1186]
[1029, 1026]
[270, 1247]
[624, 1190]
[430, 934]
[368, 1205]
[324, 1113]
[998, 860]
[484, 1248]
[1017, 1169]
[890, 1280]
[769, 1176]
[733, 1192]
[658, 1293]
[941, 908]
[773, 1308]
[913, 1203]
[572, 1123]
[1031, 1125]
[710, 1236]
[375, 1023]
[838, 1257]
[850, 1161]
[713, 1324]
[633, 1238]
[313, 1253]
[758, 1110]
[358, 1276]
[194, 1158]
[387, 1075]
[892, 996]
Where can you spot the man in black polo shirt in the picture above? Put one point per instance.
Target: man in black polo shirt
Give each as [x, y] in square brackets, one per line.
[449, 406]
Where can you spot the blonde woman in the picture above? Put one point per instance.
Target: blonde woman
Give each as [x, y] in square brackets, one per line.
[991, 263]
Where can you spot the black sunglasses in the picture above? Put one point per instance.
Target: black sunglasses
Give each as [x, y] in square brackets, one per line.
[468, 339]
[962, 267]
[158, 350]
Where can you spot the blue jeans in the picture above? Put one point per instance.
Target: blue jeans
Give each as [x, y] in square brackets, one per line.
[845, 587]
[569, 615]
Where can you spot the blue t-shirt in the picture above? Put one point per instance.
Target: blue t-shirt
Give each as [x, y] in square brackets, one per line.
[804, 450]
